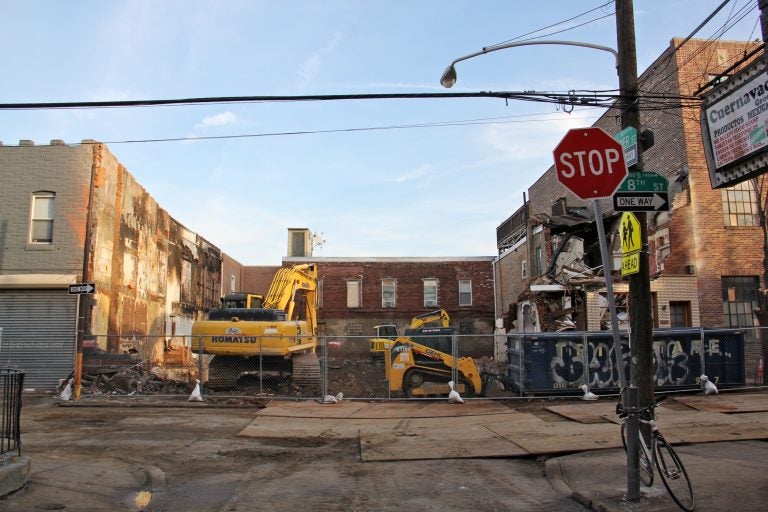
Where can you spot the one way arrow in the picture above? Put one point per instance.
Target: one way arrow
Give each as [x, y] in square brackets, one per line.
[640, 201]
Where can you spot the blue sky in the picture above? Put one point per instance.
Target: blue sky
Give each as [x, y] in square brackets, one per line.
[412, 191]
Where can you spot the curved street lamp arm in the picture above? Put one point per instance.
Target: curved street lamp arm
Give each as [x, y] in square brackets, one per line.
[449, 75]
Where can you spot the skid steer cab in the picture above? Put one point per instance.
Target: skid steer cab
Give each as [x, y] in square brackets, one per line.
[421, 365]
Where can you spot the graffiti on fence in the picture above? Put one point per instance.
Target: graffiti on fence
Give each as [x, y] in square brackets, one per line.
[568, 364]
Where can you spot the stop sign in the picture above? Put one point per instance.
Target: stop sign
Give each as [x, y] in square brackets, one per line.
[590, 163]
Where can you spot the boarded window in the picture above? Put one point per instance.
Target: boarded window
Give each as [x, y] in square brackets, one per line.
[354, 289]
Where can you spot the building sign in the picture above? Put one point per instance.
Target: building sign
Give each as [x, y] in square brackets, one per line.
[734, 127]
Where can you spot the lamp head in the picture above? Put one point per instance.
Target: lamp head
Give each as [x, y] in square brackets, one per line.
[449, 77]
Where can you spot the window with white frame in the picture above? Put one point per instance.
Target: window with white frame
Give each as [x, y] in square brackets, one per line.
[430, 292]
[232, 283]
[354, 289]
[388, 293]
[740, 206]
[525, 269]
[41, 223]
[465, 292]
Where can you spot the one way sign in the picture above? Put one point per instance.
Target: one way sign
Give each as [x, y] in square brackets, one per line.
[640, 201]
[82, 288]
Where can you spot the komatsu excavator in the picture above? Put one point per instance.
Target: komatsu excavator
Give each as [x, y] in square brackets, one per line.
[278, 337]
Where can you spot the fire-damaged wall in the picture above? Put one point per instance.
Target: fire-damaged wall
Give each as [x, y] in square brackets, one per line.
[153, 276]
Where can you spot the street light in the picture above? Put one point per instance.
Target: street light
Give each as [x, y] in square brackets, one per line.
[447, 80]
[449, 75]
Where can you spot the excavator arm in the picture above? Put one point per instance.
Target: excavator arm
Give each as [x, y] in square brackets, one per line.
[439, 318]
[290, 283]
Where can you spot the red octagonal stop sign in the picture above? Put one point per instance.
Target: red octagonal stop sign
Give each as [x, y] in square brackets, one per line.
[590, 163]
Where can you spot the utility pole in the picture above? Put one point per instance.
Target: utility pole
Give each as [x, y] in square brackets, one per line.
[641, 320]
[640, 390]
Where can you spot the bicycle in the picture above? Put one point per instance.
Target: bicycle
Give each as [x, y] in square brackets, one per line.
[667, 462]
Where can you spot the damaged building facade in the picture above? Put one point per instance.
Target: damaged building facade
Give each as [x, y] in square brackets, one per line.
[705, 253]
[73, 214]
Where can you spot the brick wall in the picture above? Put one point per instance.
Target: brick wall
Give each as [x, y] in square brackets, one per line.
[337, 319]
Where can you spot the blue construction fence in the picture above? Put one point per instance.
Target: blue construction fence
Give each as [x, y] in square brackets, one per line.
[560, 363]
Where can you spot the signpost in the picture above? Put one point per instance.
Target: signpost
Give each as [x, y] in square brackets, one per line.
[590, 163]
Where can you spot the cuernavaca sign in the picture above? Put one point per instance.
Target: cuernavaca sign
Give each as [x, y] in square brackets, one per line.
[737, 124]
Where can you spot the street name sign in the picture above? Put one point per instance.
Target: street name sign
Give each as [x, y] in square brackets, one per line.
[628, 140]
[642, 191]
[590, 163]
[81, 288]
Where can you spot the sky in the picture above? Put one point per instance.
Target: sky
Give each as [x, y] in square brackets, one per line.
[371, 178]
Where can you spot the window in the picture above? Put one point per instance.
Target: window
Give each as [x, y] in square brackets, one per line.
[430, 292]
[680, 314]
[232, 283]
[354, 288]
[525, 269]
[740, 205]
[465, 293]
[41, 228]
[388, 296]
[739, 299]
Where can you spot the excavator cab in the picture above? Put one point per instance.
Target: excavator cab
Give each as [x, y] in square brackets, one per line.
[385, 335]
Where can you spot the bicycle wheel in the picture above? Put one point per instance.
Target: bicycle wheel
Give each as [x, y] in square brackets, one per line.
[645, 464]
[673, 474]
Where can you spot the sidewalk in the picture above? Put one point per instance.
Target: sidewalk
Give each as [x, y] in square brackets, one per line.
[725, 476]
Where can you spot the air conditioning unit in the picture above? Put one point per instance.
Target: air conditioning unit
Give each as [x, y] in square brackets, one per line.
[690, 269]
[559, 208]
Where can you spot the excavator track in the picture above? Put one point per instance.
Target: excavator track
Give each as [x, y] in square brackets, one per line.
[306, 370]
[420, 378]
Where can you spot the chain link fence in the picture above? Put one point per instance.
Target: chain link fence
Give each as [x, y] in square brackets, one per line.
[362, 367]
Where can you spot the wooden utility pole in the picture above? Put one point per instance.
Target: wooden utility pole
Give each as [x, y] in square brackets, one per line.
[641, 320]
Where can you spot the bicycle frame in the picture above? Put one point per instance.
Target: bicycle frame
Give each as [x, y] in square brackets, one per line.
[660, 455]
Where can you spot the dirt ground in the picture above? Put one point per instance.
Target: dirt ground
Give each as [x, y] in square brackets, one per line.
[152, 455]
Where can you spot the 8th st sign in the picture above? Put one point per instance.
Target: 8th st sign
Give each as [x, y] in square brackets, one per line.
[590, 163]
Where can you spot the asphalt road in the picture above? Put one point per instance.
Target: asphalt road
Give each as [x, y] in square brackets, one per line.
[191, 459]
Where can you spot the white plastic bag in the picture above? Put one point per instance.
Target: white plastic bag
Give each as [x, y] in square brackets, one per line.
[196, 396]
[66, 394]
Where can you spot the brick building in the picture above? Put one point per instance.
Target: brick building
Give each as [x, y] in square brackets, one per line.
[705, 253]
[74, 214]
[355, 294]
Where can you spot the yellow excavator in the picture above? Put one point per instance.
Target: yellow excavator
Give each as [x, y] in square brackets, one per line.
[420, 364]
[279, 337]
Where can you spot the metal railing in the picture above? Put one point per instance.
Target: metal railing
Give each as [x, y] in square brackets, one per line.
[11, 386]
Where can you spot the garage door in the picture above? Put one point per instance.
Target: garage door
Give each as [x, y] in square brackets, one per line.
[38, 337]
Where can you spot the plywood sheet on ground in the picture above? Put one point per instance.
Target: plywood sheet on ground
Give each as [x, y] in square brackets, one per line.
[727, 402]
[349, 428]
[561, 436]
[443, 442]
[322, 428]
[705, 427]
[373, 410]
[585, 412]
